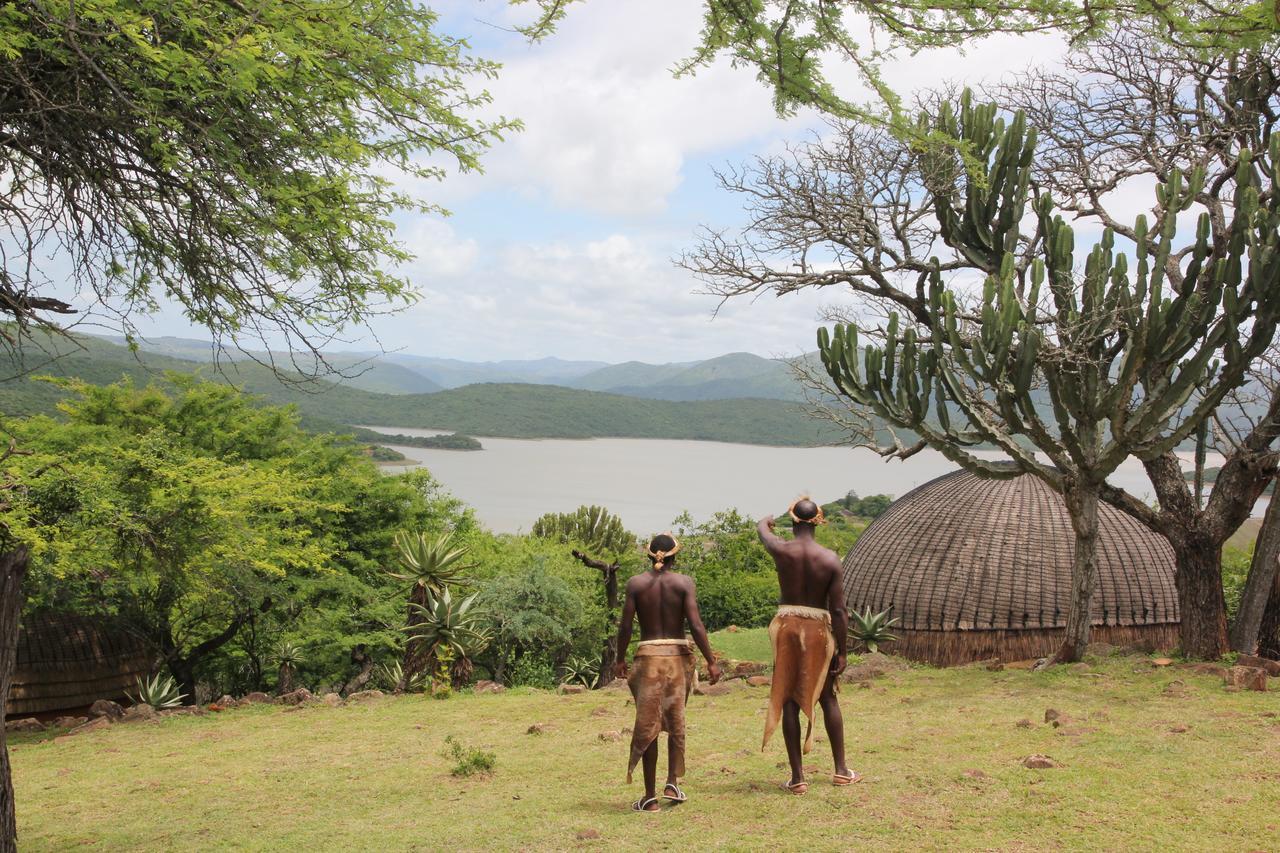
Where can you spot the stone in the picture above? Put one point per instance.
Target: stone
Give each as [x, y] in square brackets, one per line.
[106, 708]
[183, 711]
[256, 698]
[1024, 723]
[571, 689]
[138, 713]
[333, 700]
[484, 685]
[365, 696]
[69, 722]
[862, 672]
[744, 668]
[759, 680]
[1214, 669]
[618, 684]
[733, 629]
[23, 724]
[610, 736]
[537, 728]
[92, 726]
[1158, 662]
[1271, 666]
[227, 701]
[296, 697]
[1039, 762]
[713, 689]
[588, 835]
[1180, 728]
[1247, 678]
[1175, 688]
[1051, 714]
[994, 665]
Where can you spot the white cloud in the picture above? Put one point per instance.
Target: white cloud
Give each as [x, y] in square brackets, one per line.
[438, 250]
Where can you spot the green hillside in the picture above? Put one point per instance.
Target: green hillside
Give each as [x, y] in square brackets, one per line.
[729, 376]
[502, 410]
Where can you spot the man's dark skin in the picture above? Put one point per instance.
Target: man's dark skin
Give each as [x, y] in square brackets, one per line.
[810, 575]
[663, 601]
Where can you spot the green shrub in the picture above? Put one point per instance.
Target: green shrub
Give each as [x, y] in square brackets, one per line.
[1235, 570]
[468, 761]
[532, 671]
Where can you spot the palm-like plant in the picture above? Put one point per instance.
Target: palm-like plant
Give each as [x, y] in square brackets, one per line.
[579, 670]
[158, 691]
[288, 657]
[393, 675]
[872, 629]
[429, 565]
[450, 629]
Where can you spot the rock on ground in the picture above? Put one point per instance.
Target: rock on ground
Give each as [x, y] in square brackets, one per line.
[136, 713]
[1247, 678]
[1039, 762]
[257, 697]
[106, 708]
[333, 700]
[24, 724]
[713, 689]
[759, 680]
[571, 689]
[1271, 666]
[486, 686]
[297, 697]
[365, 696]
[91, 726]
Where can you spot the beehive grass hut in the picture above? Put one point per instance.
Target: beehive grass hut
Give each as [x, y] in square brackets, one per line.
[978, 568]
[68, 661]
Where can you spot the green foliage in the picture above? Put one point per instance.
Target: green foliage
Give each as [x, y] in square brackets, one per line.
[468, 760]
[451, 630]
[594, 527]
[430, 564]
[452, 441]
[871, 629]
[579, 670]
[532, 671]
[872, 506]
[735, 576]
[236, 160]
[158, 691]
[288, 654]
[390, 675]
[1235, 571]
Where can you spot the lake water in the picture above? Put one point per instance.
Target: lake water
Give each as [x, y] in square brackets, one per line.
[648, 482]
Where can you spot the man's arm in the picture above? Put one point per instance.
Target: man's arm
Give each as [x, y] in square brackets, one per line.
[839, 617]
[624, 631]
[699, 631]
[772, 542]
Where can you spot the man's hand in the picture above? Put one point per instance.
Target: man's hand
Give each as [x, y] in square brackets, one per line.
[620, 669]
[769, 521]
[713, 672]
[838, 664]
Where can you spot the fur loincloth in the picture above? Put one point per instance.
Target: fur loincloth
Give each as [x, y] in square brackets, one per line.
[661, 677]
[803, 646]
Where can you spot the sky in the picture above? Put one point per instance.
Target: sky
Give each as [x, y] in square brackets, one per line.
[564, 246]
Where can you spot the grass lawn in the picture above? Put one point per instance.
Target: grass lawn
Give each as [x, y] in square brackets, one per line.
[745, 644]
[941, 750]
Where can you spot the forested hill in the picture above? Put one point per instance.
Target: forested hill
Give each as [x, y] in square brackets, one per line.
[500, 410]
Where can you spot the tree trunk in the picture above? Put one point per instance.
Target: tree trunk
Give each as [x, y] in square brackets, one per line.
[13, 568]
[183, 671]
[361, 656]
[415, 653]
[609, 656]
[1082, 504]
[1201, 606]
[285, 683]
[1257, 587]
[1269, 632]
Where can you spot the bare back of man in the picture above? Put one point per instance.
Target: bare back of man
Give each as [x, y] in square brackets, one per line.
[810, 590]
[662, 676]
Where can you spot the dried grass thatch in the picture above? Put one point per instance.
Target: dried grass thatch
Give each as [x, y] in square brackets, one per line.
[975, 569]
[67, 661]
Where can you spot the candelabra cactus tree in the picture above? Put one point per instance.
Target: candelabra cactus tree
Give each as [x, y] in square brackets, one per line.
[1129, 365]
[604, 540]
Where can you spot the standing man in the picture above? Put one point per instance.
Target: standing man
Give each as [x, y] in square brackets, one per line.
[663, 673]
[809, 635]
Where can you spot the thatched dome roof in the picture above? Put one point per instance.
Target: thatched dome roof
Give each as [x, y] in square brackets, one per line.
[961, 553]
[66, 660]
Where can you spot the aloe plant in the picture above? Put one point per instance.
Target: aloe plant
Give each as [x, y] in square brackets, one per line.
[450, 629]
[392, 674]
[158, 691]
[579, 670]
[872, 629]
[430, 566]
[288, 657]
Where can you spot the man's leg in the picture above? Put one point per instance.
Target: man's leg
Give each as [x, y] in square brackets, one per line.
[834, 722]
[791, 733]
[650, 764]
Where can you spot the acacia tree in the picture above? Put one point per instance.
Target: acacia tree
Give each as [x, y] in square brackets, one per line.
[602, 535]
[1116, 360]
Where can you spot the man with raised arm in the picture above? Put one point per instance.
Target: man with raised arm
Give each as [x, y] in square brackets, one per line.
[663, 671]
[808, 636]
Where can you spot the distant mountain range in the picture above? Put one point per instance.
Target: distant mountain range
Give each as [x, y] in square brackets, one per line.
[525, 409]
[734, 376]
